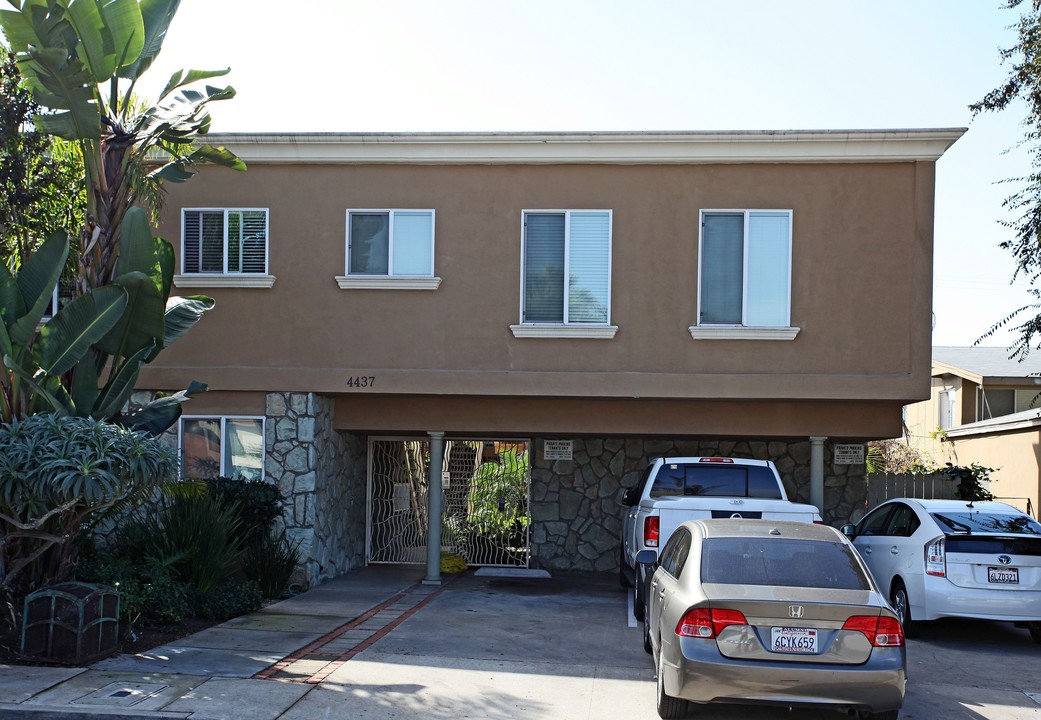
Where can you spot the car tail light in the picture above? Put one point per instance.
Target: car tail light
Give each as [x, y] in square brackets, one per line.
[881, 630]
[936, 558]
[651, 530]
[704, 622]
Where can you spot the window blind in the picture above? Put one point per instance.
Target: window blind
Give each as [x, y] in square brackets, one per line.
[722, 268]
[589, 260]
[544, 267]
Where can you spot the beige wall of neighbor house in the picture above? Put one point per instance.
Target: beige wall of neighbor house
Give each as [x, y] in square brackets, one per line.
[1015, 457]
[307, 334]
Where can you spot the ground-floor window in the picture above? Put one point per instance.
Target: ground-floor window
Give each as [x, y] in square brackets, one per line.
[228, 446]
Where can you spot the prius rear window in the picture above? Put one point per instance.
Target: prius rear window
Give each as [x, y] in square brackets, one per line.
[784, 562]
[716, 480]
[967, 522]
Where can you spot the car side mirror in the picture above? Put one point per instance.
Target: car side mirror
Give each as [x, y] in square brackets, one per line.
[849, 530]
[647, 557]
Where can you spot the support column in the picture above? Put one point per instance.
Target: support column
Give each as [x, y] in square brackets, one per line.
[437, 455]
[817, 473]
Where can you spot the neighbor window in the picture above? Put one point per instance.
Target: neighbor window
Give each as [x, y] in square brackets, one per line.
[567, 267]
[390, 243]
[225, 242]
[231, 447]
[745, 269]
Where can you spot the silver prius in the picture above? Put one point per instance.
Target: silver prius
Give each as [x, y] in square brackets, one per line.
[770, 612]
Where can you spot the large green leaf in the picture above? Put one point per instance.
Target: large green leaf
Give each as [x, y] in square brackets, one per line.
[36, 282]
[137, 248]
[156, 16]
[62, 84]
[181, 315]
[142, 323]
[77, 326]
[167, 264]
[37, 386]
[158, 416]
[124, 23]
[94, 46]
[120, 386]
[84, 388]
[180, 78]
[11, 305]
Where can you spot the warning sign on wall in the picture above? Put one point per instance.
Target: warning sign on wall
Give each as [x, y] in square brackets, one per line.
[557, 449]
[848, 455]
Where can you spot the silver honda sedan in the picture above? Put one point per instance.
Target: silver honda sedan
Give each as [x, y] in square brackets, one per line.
[772, 613]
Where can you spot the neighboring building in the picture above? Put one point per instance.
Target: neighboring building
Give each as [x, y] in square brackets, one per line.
[581, 301]
[984, 408]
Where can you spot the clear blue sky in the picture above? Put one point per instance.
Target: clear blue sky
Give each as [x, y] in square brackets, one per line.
[469, 65]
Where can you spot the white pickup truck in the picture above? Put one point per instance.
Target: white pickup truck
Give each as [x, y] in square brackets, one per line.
[672, 490]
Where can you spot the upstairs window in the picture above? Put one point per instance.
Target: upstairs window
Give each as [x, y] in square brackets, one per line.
[745, 268]
[224, 242]
[567, 267]
[390, 243]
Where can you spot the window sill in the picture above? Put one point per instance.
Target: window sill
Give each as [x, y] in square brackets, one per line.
[228, 281]
[358, 282]
[709, 332]
[593, 332]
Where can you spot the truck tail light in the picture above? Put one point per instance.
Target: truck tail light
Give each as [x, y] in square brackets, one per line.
[936, 558]
[651, 530]
[881, 630]
[702, 622]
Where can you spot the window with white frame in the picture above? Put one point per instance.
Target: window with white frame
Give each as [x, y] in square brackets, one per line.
[227, 446]
[566, 268]
[745, 269]
[390, 243]
[228, 241]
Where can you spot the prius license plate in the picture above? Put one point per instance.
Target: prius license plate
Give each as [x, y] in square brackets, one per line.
[793, 640]
[1003, 575]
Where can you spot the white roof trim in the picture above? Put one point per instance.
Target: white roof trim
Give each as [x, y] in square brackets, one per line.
[760, 146]
[1026, 420]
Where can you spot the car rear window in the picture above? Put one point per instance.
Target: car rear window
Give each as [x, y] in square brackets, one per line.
[716, 479]
[780, 561]
[994, 545]
[985, 522]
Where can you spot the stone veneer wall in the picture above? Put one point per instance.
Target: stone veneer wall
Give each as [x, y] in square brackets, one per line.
[322, 475]
[576, 505]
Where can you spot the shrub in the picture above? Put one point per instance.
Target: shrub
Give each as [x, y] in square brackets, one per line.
[228, 600]
[148, 596]
[270, 562]
[256, 503]
[197, 538]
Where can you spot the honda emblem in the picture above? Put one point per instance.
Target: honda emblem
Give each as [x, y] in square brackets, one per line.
[796, 611]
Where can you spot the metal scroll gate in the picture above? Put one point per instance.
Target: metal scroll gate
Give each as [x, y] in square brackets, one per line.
[486, 514]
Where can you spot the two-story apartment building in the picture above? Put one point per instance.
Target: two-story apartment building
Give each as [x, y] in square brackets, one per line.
[585, 301]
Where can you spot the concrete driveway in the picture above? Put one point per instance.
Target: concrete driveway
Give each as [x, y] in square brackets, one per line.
[564, 648]
[375, 644]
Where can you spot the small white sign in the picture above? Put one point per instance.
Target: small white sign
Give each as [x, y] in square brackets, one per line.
[849, 455]
[557, 449]
[446, 479]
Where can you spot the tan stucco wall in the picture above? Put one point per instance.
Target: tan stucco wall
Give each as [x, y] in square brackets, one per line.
[853, 224]
[1015, 458]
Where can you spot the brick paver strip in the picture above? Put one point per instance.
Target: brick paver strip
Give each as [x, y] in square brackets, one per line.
[334, 659]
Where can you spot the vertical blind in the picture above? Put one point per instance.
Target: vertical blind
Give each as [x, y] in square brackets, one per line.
[589, 263]
[746, 280]
[413, 243]
[544, 268]
[722, 267]
[205, 242]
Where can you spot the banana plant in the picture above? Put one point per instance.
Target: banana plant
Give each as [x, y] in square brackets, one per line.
[85, 360]
[81, 60]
